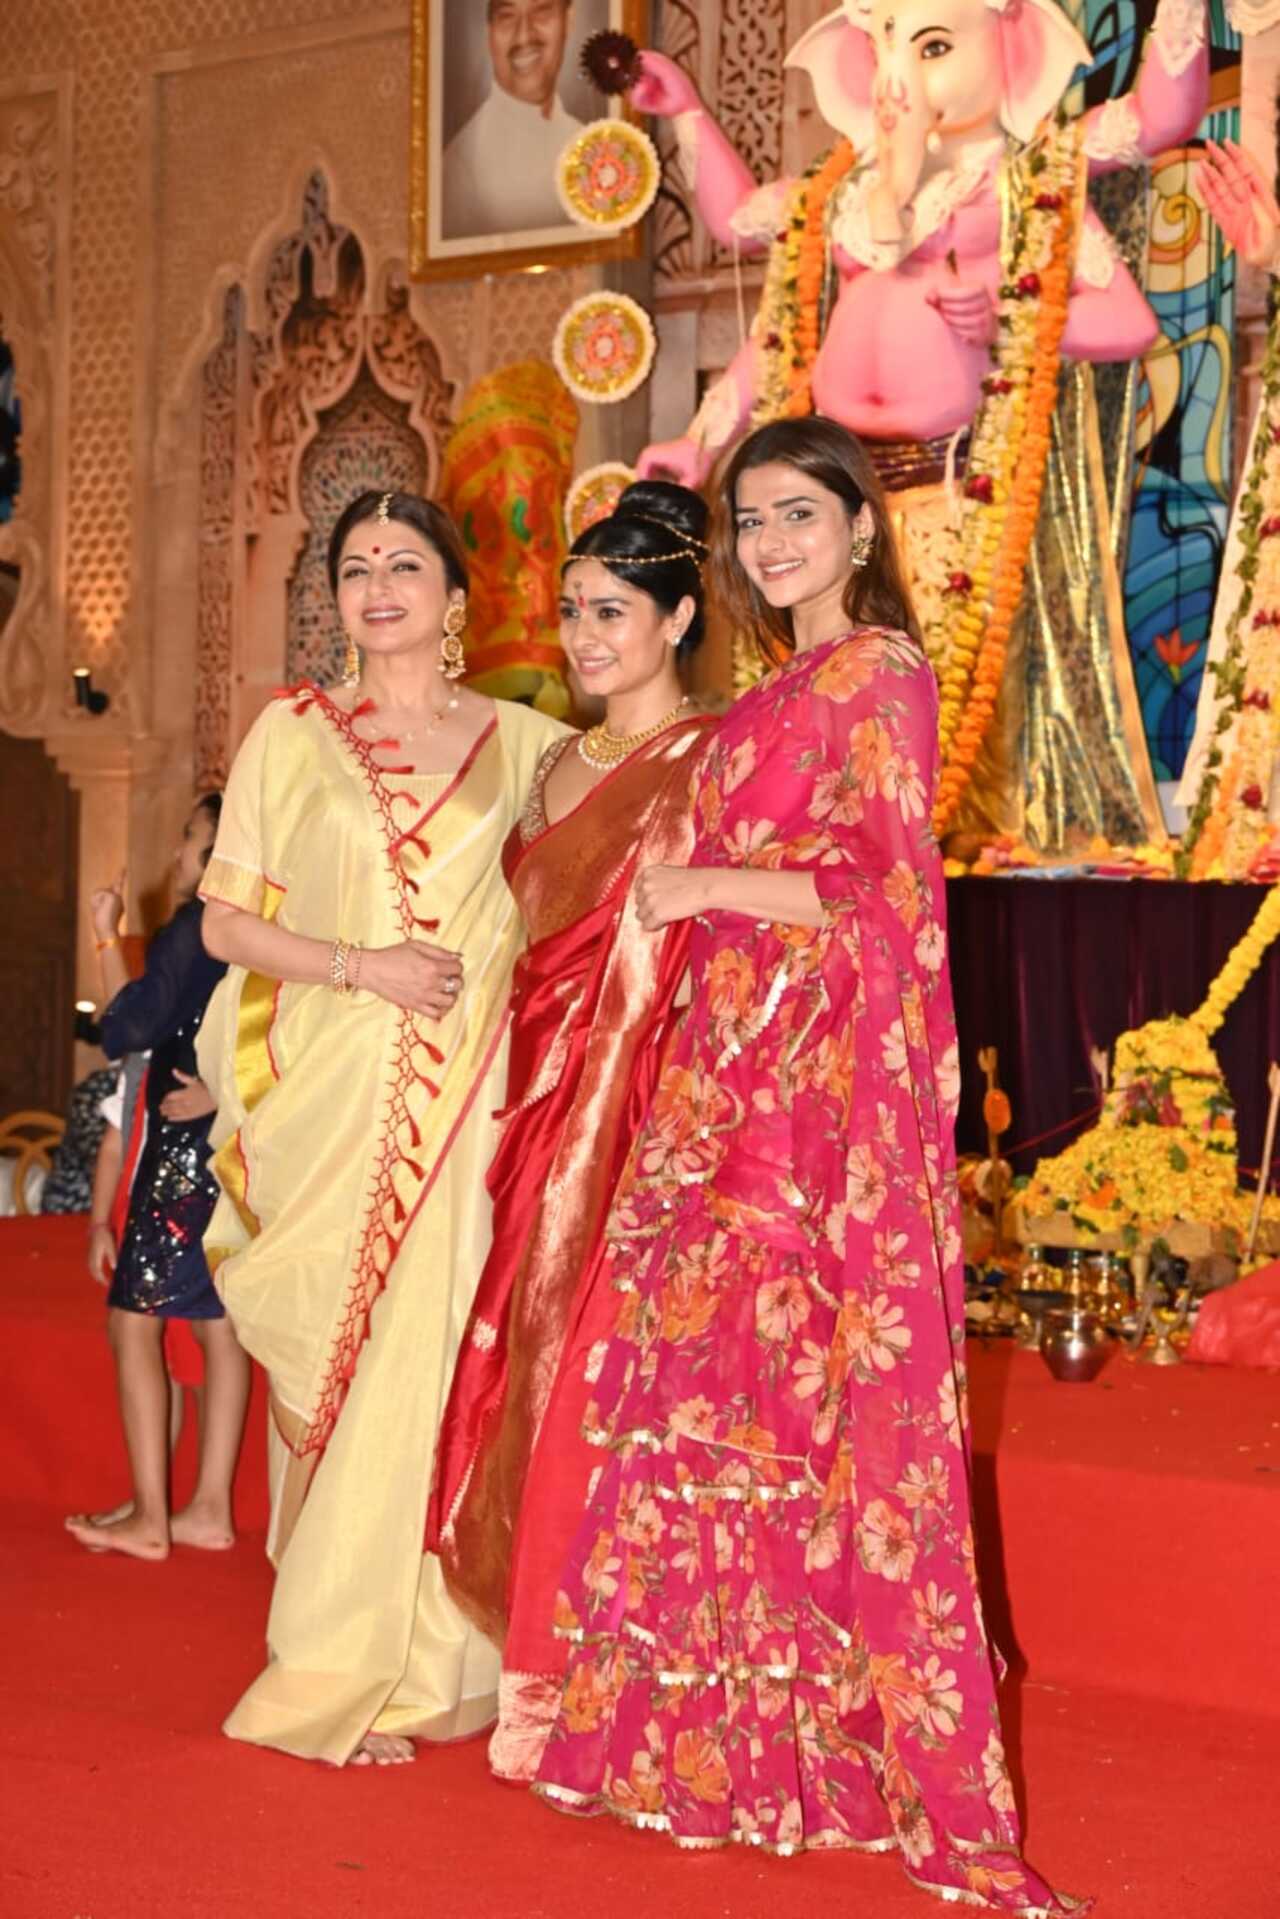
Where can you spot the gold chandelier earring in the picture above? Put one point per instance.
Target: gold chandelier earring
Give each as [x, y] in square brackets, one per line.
[860, 550]
[453, 653]
[351, 663]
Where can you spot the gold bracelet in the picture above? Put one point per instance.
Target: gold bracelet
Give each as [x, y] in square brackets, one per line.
[355, 954]
[338, 966]
[100, 946]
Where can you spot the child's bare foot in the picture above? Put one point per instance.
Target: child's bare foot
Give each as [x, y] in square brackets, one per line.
[204, 1526]
[140, 1538]
[382, 1749]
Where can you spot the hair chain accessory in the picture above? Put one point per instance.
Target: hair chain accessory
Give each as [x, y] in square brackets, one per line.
[383, 514]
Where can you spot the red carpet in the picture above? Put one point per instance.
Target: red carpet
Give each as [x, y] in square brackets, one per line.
[1137, 1529]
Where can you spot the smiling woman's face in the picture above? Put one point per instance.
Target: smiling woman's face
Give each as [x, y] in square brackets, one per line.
[793, 534]
[617, 637]
[392, 589]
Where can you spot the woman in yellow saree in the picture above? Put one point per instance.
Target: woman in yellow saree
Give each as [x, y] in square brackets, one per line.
[358, 1054]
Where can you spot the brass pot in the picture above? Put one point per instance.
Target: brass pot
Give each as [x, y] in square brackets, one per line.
[1074, 1344]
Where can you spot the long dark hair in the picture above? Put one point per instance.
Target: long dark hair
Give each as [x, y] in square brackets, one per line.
[655, 539]
[210, 803]
[411, 509]
[875, 595]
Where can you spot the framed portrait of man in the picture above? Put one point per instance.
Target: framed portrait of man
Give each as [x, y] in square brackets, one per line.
[498, 93]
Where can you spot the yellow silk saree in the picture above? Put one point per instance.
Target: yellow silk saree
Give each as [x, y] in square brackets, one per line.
[351, 1144]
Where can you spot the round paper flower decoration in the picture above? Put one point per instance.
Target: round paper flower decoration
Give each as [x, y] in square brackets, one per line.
[604, 347]
[608, 175]
[594, 495]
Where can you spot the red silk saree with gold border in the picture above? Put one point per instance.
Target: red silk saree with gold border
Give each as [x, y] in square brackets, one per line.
[591, 1003]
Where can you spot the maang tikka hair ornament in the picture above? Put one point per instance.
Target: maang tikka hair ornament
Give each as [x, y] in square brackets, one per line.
[383, 515]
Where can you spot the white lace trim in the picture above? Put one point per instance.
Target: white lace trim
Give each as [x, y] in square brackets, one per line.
[761, 214]
[932, 207]
[1096, 256]
[1114, 132]
[1178, 32]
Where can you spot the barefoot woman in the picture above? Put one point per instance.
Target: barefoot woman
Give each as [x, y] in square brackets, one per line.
[356, 887]
[774, 1626]
[589, 1013]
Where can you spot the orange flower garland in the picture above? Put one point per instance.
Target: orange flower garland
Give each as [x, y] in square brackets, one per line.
[1008, 453]
[811, 274]
[787, 327]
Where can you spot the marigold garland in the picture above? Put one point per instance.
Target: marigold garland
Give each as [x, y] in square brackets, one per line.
[1228, 827]
[1008, 451]
[787, 329]
[1241, 963]
[1165, 1147]
[1010, 442]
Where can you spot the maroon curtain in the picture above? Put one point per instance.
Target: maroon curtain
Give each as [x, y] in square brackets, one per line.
[1046, 969]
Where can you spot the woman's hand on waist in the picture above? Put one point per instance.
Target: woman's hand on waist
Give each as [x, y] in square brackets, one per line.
[416, 975]
[668, 893]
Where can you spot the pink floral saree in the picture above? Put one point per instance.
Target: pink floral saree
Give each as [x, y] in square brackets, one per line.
[773, 1618]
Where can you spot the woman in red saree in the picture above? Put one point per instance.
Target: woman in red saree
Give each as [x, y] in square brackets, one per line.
[591, 1003]
[773, 1618]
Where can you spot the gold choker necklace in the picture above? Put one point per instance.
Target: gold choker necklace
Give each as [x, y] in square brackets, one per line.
[599, 747]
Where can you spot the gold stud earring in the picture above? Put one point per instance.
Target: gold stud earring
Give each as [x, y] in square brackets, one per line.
[860, 550]
[453, 653]
[351, 663]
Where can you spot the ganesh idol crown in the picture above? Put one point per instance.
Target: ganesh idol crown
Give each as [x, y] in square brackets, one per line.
[939, 283]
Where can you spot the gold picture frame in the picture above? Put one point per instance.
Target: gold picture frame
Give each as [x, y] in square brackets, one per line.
[450, 49]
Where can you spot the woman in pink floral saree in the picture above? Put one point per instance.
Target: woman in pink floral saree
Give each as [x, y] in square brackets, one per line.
[774, 1625]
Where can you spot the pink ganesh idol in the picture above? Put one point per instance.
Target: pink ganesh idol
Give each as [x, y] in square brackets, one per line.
[939, 99]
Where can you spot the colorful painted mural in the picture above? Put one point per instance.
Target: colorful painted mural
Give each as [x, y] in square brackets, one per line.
[1182, 416]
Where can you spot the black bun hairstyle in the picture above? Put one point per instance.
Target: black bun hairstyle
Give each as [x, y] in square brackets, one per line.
[655, 539]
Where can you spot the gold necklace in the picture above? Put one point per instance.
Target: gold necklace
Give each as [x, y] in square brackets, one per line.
[405, 737]
[599, 747]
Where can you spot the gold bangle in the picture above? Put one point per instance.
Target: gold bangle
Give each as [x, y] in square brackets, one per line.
[100, 946]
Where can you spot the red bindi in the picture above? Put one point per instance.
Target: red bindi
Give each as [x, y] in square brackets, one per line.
[377, 549]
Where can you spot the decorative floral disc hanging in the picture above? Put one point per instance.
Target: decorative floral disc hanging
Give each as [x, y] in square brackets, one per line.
[608, 175]
[594, 495]
[604, 347]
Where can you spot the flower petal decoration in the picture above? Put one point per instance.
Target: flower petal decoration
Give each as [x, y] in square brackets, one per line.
[608, 176]
[594, 495]
[604, 347]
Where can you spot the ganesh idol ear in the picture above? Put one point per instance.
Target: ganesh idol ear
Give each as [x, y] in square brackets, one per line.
[840, 60]
[1040, 50]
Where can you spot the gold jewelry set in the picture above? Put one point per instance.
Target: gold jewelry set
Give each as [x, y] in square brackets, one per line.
[600, 747]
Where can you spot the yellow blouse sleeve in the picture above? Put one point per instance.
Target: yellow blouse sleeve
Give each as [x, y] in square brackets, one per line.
[236, 873]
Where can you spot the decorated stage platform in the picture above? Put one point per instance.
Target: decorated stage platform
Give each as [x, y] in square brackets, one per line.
[1046, 970]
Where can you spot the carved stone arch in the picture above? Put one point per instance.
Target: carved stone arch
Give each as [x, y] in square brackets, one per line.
[268, 390]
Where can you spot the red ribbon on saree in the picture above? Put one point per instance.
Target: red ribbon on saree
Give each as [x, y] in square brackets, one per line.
[592, 1003]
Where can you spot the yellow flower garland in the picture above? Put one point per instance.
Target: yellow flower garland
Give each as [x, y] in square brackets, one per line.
[1165, 1146]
